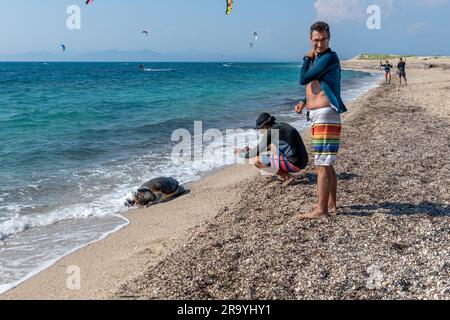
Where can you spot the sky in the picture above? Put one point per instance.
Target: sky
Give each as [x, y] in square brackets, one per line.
[200, 28]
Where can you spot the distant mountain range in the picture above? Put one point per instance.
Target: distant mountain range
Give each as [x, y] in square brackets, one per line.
[137, 56]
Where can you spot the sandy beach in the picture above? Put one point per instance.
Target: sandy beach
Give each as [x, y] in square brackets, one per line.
[237, 234]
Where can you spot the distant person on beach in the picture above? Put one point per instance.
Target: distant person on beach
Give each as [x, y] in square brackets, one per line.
[387, 69]
[281, 148]
[401, 66]
[321, 74]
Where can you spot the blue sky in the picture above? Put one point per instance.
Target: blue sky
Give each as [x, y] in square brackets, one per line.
[200, 27]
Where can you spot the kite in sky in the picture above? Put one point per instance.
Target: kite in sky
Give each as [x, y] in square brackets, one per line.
[89, 1]
[229, 6]
[145, 32]
[63, 47]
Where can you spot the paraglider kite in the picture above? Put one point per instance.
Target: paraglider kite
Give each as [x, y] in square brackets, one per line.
[89, 1]
[145, 32]
[229, 6]
[63, 47]
[255, 35]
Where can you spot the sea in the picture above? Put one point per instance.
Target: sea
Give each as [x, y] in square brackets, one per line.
[77, 138]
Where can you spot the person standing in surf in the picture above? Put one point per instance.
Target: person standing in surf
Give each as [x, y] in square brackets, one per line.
[321, 74]
[387, 69]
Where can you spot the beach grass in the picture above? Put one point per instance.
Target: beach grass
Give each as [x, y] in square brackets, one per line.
[382, 56]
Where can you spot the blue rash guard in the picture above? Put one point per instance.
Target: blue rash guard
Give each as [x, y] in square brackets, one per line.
[326, 69]
[387, 67]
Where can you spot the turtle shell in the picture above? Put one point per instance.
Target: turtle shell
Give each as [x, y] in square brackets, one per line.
[163, 184]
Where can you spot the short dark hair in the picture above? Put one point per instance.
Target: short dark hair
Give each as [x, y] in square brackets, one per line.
[320, 26]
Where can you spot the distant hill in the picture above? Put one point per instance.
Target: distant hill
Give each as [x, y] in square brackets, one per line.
[378, 56]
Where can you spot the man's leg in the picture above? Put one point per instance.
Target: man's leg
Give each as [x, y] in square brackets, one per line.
[325, 132]
[406, 81]
[324, 186]
[275, 154]
[332, 203]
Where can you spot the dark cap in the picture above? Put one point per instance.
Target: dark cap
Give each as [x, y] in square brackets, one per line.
[263, 119]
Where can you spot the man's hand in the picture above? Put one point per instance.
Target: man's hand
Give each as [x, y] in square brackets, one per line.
[299, 107]
[312, 54]
[259, 164]
[238, 151]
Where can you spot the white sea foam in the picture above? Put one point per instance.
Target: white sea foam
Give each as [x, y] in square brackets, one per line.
[220, 153]
[158, 70]
[102, 206]
[31, 264]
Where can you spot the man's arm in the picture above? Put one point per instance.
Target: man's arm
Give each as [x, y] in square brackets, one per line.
[262, 147]
[309, 74]
[300, 106]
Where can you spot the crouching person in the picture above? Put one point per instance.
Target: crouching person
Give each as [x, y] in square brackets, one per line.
[281, 149]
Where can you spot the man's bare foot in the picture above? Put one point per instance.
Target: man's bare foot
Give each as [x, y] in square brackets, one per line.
[314, 215]
[287, 182]
[276, 178]
[332, 208]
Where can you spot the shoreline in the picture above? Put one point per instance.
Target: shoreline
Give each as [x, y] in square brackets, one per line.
[150, 230]
[389, 239]
[134, 217]
[50, 284]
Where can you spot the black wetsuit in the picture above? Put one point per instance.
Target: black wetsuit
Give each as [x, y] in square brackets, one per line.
[401, 69]
[289, 143]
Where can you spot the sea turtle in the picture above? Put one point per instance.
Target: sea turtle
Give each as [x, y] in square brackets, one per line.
[155, 191]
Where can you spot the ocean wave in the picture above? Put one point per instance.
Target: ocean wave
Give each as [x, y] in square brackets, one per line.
[158, 70]
[34, 256]
[105, 206]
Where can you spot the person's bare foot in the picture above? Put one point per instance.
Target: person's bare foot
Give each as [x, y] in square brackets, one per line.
[332, 208]
[287, 182]
[316, 214]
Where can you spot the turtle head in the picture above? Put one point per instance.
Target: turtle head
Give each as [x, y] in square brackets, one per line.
[141, 197]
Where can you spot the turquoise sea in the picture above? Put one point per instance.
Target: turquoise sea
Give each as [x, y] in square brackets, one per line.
[77, 137]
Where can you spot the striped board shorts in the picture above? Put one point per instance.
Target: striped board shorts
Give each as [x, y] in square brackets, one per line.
[326, 135]
[279, 162]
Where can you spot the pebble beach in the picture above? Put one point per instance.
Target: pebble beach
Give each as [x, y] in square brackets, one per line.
[238, 235]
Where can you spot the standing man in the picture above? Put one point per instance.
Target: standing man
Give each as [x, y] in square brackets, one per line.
[402, 71]
[321, 74]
